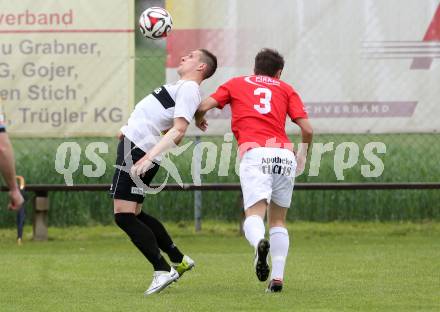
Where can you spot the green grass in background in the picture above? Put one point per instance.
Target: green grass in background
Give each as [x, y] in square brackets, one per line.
[403, 163]
[330, 267]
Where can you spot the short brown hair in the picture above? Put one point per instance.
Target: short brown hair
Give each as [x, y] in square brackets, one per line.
[210, 60]
[268, 62]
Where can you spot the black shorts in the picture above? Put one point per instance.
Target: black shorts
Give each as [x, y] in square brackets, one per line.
[123, 186]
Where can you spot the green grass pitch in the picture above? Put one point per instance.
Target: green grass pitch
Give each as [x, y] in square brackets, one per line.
[331, 267]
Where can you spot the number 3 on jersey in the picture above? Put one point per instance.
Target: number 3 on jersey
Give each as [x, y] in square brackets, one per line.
[265, 96]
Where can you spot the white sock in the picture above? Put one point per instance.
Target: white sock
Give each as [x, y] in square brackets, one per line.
[254, 229]
[279, 247]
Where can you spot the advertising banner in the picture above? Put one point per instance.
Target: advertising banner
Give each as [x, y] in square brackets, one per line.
[66, 67]
[359, 66]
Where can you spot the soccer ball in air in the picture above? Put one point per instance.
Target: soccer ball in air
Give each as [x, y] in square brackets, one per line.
[155, 23]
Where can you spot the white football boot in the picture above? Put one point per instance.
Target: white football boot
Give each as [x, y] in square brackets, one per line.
[161, 279]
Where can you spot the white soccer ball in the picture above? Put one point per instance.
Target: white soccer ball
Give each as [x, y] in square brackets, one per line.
[155, 23]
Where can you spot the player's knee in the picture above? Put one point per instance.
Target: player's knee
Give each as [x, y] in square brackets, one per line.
[259, 209]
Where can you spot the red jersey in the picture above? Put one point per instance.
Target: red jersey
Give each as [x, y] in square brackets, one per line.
[260, 105]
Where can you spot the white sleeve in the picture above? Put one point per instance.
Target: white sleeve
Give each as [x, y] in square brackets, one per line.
[187, 100]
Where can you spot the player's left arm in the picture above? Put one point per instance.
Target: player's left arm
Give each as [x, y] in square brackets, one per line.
[172, 138]
[298, 114]
[306, 134]
[306, 141]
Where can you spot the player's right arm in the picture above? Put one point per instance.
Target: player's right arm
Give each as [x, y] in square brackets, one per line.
[171, 139]
[219, 99]
[187, 102]
[205, 106]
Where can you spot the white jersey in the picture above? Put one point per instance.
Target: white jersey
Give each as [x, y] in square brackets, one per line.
[156, 112]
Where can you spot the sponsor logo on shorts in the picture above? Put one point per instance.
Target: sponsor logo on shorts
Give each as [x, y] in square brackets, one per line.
[137, 191]
[277, 165]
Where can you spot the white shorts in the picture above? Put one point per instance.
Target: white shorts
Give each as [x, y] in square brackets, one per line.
[267, 173]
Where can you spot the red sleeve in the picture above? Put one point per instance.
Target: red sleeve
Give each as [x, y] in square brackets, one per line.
[222, 95]
[296, 107]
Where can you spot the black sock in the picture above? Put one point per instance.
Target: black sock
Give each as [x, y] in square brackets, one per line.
[143, 238]
[163, 238]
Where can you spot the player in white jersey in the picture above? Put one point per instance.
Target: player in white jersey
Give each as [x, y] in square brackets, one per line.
[169, 108]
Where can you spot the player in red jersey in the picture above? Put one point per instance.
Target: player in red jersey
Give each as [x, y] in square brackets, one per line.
[260, 104]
